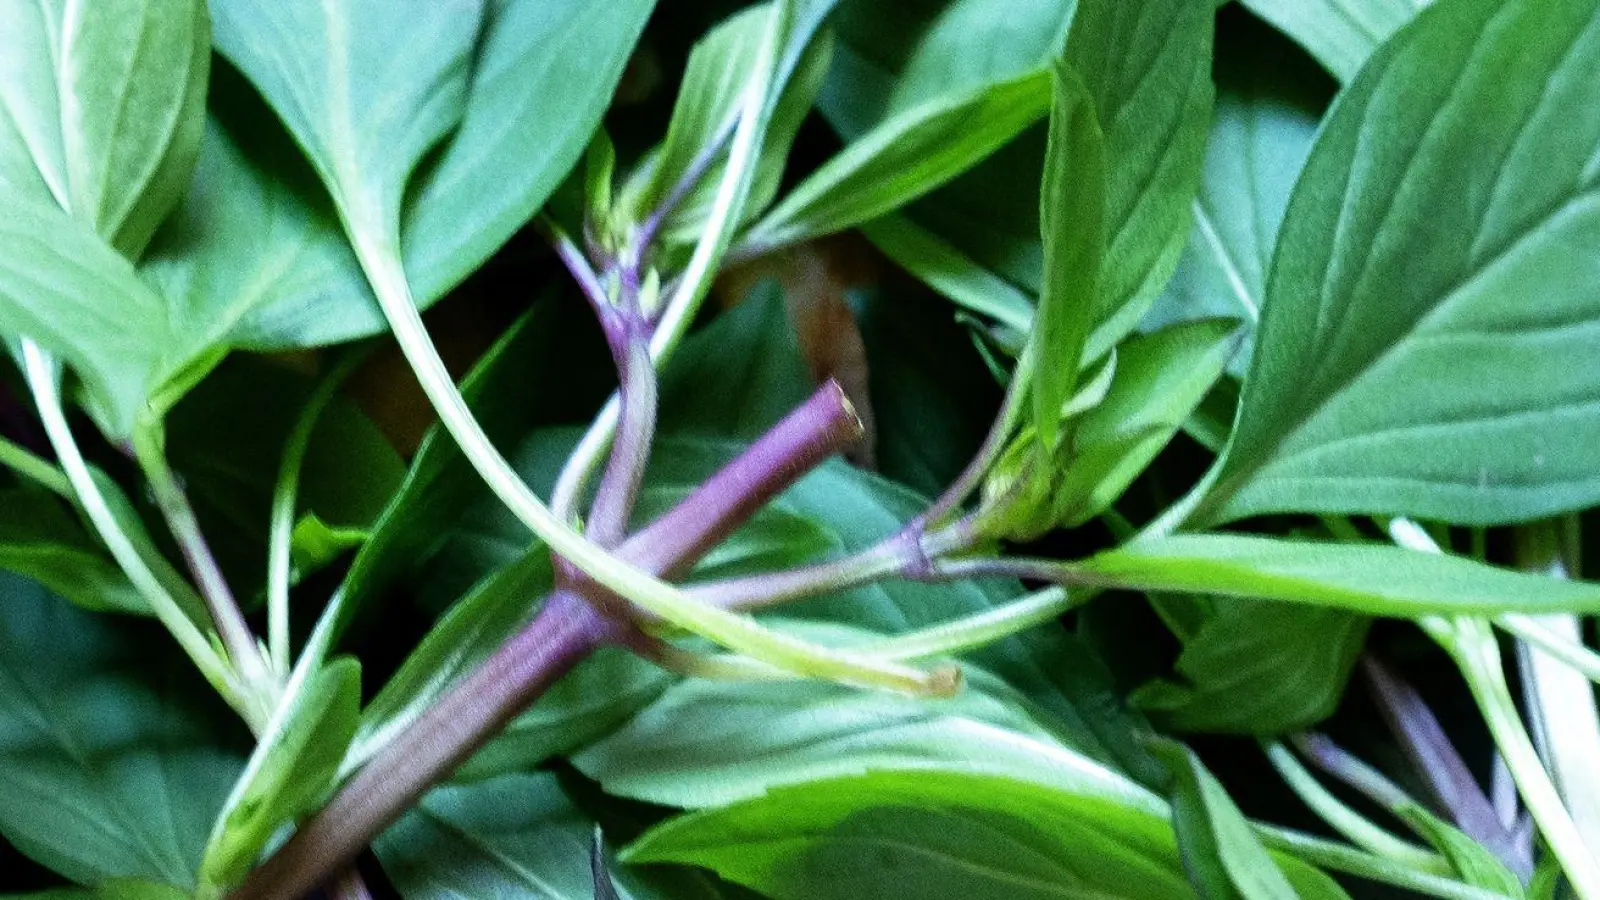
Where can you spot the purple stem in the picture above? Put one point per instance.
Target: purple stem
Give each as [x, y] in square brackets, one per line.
[565, 631]
[691, 178]
[614, 325]
[1435, 759]
[619, 484]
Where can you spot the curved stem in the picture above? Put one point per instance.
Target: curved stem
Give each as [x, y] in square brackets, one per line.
[170, 498]
[22, 461]
[284, 495]
[1361, 864]
[1341, 818]
[619, 486]
[695, 281]
[994, 444]
[41, 373]
[1564, 649]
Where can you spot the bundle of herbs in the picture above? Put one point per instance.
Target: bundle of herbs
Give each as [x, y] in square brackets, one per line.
[953, 449]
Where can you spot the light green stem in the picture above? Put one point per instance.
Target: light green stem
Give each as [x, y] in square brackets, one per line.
[980, 630]
[19, 460]
[1358, 828]
[1359, 863]
[1471, 642]
[41, 372]
[281, 530]
[1565, 649]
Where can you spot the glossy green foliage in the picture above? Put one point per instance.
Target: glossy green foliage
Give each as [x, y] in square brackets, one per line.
[1435, 224]
[93, 739]
[1339, 33]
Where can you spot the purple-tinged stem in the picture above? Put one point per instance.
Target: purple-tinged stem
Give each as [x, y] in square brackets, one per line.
[691, 178]
[611, 323]
[1432, 755]
[971, 477]
[1341, 764]
[811, 433]
[619, 485]
[232, 628]
[566, 629]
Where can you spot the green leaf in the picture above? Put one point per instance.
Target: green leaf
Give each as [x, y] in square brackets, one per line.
[1148, 66]
[902, 159]
[290, 773]
[893, 57]
[740, 374]
[40, 540]
[1072, 214]
[1342, 34]
[103, 112]
[544, 74]
[928, 835]
[710, 743]
[708, 107]
[1225, 859]
[366, 87]
[1437, 221]
[515, 836]
[949, 271]
[1372, 579]
[111, 770]
[1160, 379]
[64, 287]
[254, 257]
[1473, 862]
[1270, 98]
[1257, 667]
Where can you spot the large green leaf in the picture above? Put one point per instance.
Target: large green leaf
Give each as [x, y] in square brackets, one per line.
[101, 114]
[110, 768]
[365, 86]
[1270, 97]
[903, 158]
[515, 836]
[1339, 33]
[1373, 579]
[1447, 214]
[708, 743]
[1258, 667]
[543, 75]
[1148, 66]
[254, 256]
[1072, 228]
[934, 835]
[63, 286]
[40, 540]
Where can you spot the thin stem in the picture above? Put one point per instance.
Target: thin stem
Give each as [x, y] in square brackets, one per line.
[1472, 644]
[1559, 698]
[22, 461]
[645, 237]
[695, 282]
[170, 498]
[1341, 858]
[1563, 648]
[981, 630]
[284, 495]
[619, 486]
[41, 372]
[599, 299]
[1433, 757]
[893, 556]
[994, 444]
[1353, 825]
